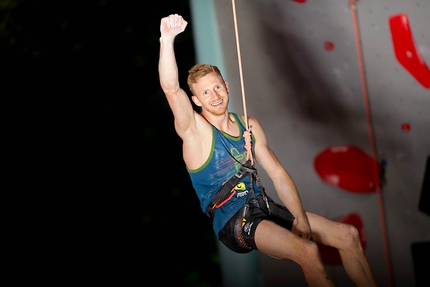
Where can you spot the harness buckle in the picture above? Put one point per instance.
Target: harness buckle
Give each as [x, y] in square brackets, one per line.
[245, 210]
[240, 173]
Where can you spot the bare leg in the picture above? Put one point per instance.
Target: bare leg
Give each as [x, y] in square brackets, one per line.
[279, 242]
[346, 239]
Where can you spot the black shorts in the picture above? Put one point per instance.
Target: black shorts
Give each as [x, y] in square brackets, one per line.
[238, 233]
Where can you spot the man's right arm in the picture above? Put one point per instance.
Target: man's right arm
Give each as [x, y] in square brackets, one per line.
[177, 98]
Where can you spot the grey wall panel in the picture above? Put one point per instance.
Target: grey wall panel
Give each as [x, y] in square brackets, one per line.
[302, 81]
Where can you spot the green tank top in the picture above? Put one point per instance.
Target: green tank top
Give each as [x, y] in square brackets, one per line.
[226, 157]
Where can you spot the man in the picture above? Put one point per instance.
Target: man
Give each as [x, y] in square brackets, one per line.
[218, 150]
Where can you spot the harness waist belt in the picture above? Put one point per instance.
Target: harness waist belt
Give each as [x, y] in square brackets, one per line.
[226, 191]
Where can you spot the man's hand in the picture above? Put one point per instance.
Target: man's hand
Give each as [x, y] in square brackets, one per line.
[172, 25]
[302, 228]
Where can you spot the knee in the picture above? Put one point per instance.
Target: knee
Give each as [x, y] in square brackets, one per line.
[351, 237]
[309, 249]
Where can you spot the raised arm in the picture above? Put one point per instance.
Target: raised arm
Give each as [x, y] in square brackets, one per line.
[177, 98]
[282, 181]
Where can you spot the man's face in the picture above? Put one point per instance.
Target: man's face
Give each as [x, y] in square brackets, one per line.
[211, 94]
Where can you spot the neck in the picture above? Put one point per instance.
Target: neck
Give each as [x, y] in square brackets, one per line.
[224, 122]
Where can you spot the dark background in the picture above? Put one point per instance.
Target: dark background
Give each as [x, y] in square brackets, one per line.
[85, 79]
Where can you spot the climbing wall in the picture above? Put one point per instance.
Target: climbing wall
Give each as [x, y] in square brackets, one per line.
[347, 114]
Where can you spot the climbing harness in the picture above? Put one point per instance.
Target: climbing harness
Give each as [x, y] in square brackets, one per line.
[227, 190]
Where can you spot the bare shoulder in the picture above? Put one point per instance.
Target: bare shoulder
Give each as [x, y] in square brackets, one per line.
[255, 126]
[251, 121]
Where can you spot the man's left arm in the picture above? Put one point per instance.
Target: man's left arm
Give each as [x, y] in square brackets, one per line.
[282, 181]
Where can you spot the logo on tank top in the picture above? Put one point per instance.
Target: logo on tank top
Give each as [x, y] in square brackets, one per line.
[239, 157]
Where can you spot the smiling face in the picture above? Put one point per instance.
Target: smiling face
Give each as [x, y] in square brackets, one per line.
[210, 93]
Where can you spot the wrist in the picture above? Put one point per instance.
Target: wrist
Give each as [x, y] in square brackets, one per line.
[166, 38]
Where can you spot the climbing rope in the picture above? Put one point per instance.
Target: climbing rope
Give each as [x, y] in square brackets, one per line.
[247, 133]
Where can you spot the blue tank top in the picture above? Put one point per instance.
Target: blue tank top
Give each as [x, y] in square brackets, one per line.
[225, 159]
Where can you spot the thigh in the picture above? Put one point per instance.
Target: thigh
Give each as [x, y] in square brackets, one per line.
[326, 231]
[279, 242]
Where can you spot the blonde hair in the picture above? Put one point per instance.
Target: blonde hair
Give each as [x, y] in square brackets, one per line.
[199, 71]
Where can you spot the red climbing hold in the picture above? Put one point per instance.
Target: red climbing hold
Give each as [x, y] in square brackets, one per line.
[329, 46]
[347, 167]
[406, 127]
[405, 50]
